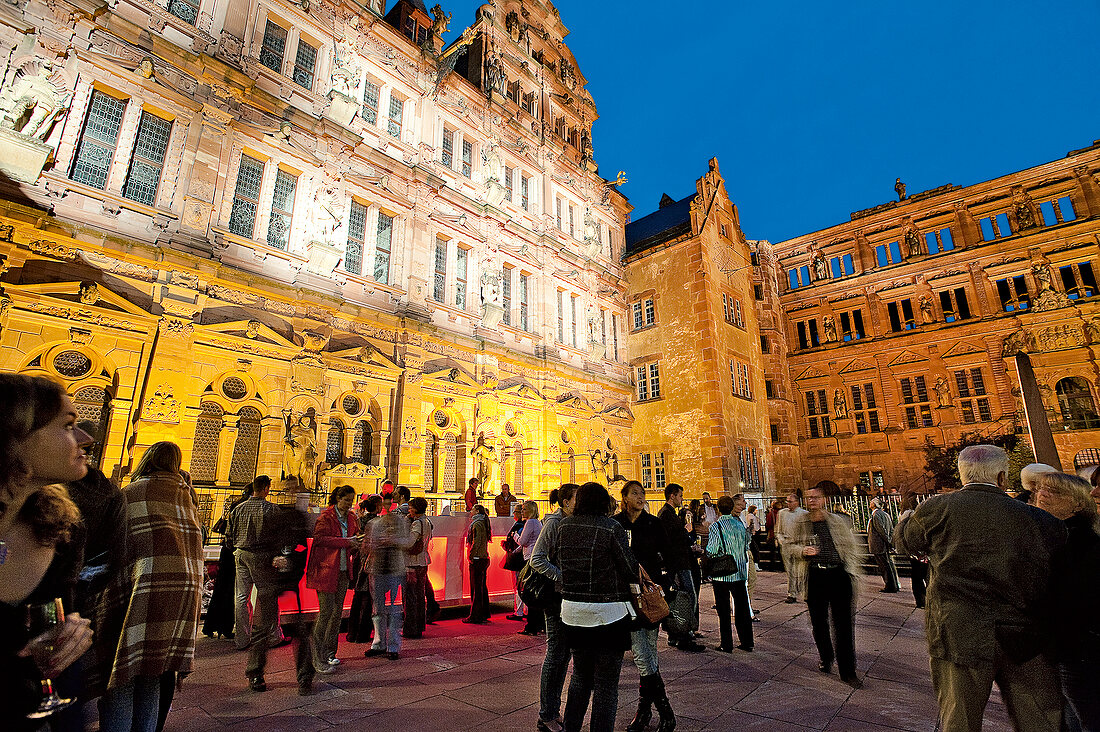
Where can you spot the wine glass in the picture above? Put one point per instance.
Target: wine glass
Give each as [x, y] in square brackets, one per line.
[40, 618]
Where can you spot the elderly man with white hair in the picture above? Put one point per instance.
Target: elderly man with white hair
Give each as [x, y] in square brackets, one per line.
[880, 542]
[988, 617]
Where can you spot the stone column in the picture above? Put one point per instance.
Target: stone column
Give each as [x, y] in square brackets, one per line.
[1087, 193]
[227, 438]
[202, 171]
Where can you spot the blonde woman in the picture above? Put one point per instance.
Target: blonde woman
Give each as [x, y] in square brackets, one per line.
[532, 527]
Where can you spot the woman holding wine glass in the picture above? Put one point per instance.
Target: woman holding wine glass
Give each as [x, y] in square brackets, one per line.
[148, 620]
[40, 550]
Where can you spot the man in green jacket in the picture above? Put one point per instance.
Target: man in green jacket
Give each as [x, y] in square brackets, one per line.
[990, 557]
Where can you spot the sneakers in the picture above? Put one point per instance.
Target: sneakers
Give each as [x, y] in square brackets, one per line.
[257, 683]
[333, 661]
[324, 668]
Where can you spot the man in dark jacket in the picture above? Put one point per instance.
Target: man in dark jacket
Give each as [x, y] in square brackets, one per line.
[646, 538]
[678, 562]
[987, 618]
[477, 539]
[880, 542]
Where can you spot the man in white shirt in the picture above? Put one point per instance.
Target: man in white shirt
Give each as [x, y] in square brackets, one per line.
[793, 562]
[710, 511]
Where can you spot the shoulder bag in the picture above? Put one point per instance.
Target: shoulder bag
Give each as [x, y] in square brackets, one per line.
[536, 589]
[719, 565]
[649, 599]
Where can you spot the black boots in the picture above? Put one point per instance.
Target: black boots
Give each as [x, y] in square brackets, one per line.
[645, 705]
[664, 708]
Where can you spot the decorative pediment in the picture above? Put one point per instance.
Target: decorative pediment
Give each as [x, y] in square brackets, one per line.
[518, 387]
[962, 348]
[574, 401]
[83, 294]
[619, 411]
[907, 357]
[857, 365]
[253, 330]
[451, 372]
[813, 372]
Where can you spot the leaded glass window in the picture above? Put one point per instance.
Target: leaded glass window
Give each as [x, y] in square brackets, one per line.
[305, 62]
[431, 445]
[186, 10]
[94, 405]
[440, 281]
[397, 113]
[508, 183]
[467, 158]
[460, 279]
[334, 443]
[523, 301]
[282, 210]
[274, 47]
[506, 295]
[246, 197]
[382, 246]
[148, 160]
[204, 454]
[370, 102]
[97, 144]
[246, 448]
[357, 233]
[448, 147]
[524, 184]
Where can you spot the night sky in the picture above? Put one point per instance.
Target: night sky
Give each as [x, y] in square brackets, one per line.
[813, 109]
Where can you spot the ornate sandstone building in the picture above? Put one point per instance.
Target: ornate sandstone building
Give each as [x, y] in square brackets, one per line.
[304, 239]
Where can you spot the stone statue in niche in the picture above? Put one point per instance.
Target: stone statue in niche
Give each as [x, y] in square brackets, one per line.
[1022, 207]
[840, 404]
[926, 309]
[484, 457]
[345, 75]
[829, 326]
[912, 241]
[943, 392]
[300, 451]
[568, 73]
[490, 286]
[328, 208]
[35, 101]
[899, 188]
[498, 80]
[817, 262]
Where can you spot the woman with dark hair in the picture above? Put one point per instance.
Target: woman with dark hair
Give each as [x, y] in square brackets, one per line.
[918, 566]
[219, 611]
[335, 537]
[597, 569]
[149, 618]
[39, 556]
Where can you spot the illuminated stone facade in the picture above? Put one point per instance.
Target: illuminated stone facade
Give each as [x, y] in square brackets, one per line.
[694, 347]
[903, 325]
[305, 239]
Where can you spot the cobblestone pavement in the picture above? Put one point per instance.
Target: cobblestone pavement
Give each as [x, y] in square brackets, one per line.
[486, 678]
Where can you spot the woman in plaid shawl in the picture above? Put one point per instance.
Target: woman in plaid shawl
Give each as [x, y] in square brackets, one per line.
[149, 619]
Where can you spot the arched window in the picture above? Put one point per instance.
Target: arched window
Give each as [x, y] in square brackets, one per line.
[517, 458]
[334, 444]
[246, 449]
[94, 405]
[362, 445]
[431, 446]
[1075, 402]
[204, 453]
[450, 462]
[1088, 456]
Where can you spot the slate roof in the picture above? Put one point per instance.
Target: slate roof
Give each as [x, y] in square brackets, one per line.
[661, 225]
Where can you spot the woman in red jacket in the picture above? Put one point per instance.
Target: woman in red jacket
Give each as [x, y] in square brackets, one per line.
[329, 572]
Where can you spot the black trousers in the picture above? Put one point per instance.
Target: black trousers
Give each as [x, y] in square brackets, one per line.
[479, 592]
[830, 591]
[741, 615]
[918, 570]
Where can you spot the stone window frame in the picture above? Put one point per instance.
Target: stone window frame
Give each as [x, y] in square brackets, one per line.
[296, 32]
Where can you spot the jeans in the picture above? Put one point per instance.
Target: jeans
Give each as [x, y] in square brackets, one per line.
[266, 617]
[387, 612]
[517, 601]
[643, 645]
[830, 590]
[554, 668]
[479, 592]
[415, 602]
[330, 610]
[245, 562]
[742, 615]
[595, 674]
[132, 707]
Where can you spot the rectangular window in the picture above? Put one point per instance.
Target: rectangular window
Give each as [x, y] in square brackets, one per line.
[357, 235]
[557, 213]
[369, 112]
[615, 335]
[851, 325]
[764, 344]
[817, 407]
[895, 252]
[461, 257]
[865, 409]
[803, 341]
[383, 244]
[901, 315]
[576, 331]
[571, 231]
[305, 63]
[738, 315]
[98, 141]
[769, 388]
[439, 281]
[1078, 280]
[603, 326]
[649, 381]
[758, 292]
[185, 10]
[506, 295]
[467, 158]
[647, 470]
[561, 317]
[274, 47]
[523, 301]
[448, 155]
[397, 115]
[659, 471]
[1013, 293]
[914, 392]
[524, 184]
[973, 400]
[148, 160]
[282, 210]
[246, 197]
[508, 172]
[775, 432]
[842, 266]
[881, 259]
[954, 304]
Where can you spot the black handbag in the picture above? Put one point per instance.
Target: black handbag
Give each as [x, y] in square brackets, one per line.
[536, 589]
[719, 565]
[513, 561]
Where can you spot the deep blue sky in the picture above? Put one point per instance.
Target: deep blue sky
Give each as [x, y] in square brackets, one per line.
[813, 109]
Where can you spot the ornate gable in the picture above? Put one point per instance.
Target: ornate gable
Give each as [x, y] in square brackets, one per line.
[813, 372]
[907, 357]
[857, 365]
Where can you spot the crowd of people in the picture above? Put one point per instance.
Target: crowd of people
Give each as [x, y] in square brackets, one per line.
[1009, 584]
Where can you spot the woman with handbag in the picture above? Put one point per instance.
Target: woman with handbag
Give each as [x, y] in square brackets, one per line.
[597, 570]
[513, 561]
[532, 527]
[727, 565]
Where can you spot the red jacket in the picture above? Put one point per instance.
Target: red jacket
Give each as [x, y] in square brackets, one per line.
[323, 566]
